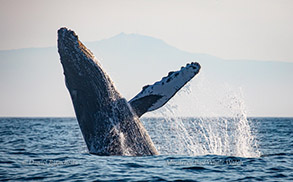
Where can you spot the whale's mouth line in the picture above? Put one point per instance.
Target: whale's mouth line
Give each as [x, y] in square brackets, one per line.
[98, 104]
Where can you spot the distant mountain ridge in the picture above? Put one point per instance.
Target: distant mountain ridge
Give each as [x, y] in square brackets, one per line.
[32, 83]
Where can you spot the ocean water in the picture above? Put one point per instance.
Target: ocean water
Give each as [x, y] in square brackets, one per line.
[192, 149]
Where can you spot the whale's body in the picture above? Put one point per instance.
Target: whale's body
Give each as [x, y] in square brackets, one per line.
[109, 124]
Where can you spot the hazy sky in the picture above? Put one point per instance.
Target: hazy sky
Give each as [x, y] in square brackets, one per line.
[230, 29]
[227, 29]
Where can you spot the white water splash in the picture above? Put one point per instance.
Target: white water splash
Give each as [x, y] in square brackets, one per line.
[217, 122]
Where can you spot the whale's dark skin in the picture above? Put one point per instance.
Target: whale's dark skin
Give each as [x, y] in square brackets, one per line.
[109, 124]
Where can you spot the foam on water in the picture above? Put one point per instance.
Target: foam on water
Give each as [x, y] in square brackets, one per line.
[217, 122]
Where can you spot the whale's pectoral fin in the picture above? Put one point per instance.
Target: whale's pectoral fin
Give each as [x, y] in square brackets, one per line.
[141, 105]
[155, 96]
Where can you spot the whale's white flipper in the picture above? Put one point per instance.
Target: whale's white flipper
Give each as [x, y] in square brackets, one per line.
[155, 96]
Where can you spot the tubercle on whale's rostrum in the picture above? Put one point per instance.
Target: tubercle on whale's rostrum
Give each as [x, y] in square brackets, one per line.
[107, 123]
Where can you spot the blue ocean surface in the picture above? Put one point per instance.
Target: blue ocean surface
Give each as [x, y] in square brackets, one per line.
[52, 149]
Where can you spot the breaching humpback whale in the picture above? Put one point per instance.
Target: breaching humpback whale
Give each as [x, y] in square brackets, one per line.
[109, 124]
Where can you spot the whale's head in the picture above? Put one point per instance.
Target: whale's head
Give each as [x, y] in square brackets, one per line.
[75, 58]
[72, 58]
[82, 70]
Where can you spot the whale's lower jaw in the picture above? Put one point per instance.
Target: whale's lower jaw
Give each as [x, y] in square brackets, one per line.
[108, 125]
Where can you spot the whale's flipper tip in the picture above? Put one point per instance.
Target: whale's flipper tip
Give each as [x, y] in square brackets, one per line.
[155, 96]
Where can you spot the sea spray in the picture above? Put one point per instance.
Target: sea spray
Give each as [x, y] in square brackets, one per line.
[216, 122]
